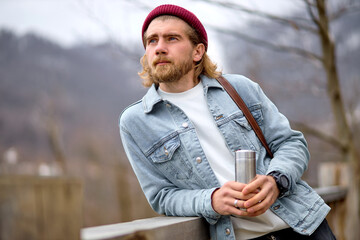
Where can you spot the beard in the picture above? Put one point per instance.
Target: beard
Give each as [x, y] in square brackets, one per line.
[170, 72]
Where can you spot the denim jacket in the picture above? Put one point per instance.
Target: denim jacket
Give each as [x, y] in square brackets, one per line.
[168, 160]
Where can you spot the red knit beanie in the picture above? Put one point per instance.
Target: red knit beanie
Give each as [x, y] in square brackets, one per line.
[187, 16]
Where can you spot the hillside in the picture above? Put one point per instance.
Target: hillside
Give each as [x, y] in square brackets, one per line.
[84, 87]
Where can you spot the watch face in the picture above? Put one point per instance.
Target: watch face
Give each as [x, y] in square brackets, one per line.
[284, 181]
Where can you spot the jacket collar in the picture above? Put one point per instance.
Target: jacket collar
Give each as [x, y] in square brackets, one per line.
[151, 98]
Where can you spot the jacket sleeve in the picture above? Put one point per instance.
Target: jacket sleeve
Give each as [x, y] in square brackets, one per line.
[291, 155]
[163, 196]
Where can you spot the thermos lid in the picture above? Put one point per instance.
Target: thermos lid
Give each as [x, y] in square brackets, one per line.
[244, 154]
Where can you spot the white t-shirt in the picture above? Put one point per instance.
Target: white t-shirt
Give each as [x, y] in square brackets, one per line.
[221, 160]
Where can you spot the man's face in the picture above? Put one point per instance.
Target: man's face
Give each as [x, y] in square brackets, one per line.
[169, 52]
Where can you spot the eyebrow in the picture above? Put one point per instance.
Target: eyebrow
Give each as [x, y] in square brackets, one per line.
[164, 35]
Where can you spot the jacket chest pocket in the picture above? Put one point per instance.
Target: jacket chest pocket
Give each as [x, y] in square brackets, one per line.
[248, 138]
[170, 159]
[256, 113]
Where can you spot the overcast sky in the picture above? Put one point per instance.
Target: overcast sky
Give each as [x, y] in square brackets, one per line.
[69, 22]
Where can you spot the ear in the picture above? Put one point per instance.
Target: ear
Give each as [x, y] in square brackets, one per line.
[198, 52]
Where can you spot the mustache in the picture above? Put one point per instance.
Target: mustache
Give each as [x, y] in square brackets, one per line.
[161, 59]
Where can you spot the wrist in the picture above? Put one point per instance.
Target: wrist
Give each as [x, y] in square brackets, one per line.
[282, 182]
[212, 199]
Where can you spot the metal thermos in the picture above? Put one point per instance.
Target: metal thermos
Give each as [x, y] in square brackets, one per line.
[245, 166]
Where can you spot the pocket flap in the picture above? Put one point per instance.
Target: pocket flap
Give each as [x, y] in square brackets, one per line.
[165, 152]
[255, 112]
[243, 122]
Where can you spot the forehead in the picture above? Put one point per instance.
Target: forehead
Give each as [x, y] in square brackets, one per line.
[164, 24]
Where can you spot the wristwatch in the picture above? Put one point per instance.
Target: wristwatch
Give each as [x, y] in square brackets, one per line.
[282, 182]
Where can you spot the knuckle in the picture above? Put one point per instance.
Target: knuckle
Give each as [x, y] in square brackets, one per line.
[229, 207]
[227, 184]
[225, 194]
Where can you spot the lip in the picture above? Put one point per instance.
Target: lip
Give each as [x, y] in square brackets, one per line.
[162, 63]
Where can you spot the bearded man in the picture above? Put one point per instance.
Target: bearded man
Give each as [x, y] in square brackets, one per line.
[180, 139]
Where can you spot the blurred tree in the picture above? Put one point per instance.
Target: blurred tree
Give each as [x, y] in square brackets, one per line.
[53, 136]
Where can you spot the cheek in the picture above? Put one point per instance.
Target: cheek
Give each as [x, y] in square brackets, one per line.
[149, 57]
[150, 50]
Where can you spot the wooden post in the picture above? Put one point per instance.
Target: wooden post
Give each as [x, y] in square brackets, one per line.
[40, 208]
[337, 174]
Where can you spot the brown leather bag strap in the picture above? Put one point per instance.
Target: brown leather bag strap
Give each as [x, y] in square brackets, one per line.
[241, 104]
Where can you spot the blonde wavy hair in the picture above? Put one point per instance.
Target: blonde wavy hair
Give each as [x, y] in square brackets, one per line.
[203, 67]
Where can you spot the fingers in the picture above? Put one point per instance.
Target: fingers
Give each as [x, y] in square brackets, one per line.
[254, 185]
[236, 186]
[251, 199]
[223, 198]
[255, 210]
[265, 198]
[234, 190]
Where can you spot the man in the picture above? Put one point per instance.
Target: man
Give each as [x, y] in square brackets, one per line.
[181, 137]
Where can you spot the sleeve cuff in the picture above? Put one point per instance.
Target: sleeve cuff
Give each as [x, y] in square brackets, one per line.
[210, 214]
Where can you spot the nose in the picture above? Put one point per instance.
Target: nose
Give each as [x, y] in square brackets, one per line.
[161, 47]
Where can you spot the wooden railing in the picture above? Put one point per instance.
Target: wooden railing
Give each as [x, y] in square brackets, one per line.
[177, 228]
[40, 208]
[157, 228]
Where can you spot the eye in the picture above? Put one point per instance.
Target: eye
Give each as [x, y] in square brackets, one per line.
[151, 41]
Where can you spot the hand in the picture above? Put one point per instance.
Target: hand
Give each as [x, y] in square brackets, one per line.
[223, 198]
[267, 195]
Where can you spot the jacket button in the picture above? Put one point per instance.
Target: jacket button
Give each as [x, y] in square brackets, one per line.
[277, 207]
[198, 160]
[218, 117]
[227, 231]
[185, 125]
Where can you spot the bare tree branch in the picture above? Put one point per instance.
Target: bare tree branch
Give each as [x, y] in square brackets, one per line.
[285, 21]
[320, 135]
[263, 43]
[309, 6]
[344, 8]
[110, 34]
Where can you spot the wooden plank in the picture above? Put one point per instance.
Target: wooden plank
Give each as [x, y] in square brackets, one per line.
[174, 228]
[332, 193]
[40, 208]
